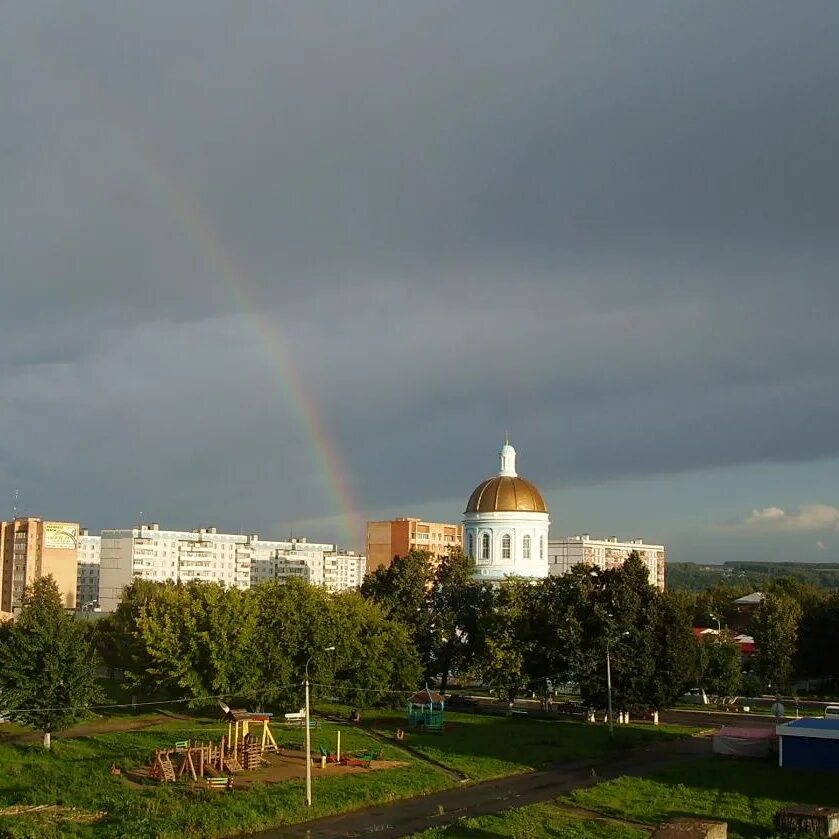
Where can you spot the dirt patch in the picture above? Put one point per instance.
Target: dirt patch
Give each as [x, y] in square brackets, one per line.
[277, 768]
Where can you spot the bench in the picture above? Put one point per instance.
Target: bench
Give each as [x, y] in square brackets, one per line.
[222, 783]
[519, 712]
[369, 755]
[182, 745]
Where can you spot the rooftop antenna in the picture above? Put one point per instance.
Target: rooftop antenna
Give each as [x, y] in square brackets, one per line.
[14, 505]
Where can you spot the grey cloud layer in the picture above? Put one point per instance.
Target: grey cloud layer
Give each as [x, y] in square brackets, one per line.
[610, 229]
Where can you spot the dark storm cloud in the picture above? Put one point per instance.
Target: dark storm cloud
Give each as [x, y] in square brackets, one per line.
[610, 229]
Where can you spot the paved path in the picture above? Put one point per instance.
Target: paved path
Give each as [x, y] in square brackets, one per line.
[402, 818]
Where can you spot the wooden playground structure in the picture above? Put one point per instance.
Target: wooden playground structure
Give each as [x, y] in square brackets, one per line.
[241, 750]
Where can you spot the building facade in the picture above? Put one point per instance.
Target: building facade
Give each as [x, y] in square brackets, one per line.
[33, 548]
[241, 561]
[564, 554]
[398, 537]
[506, 525]
[87, 579]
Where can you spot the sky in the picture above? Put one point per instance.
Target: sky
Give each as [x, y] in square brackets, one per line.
[285, 267]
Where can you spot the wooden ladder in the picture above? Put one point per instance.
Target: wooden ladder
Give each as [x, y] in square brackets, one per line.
[232, 764]
[168, 769]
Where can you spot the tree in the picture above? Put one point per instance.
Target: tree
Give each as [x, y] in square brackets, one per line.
[776, 637]
[403, 589]
[374, 662]
[457, 602]
[47, 666]
[720, 665]
[198, 641]
[646, 636]
[504, 661]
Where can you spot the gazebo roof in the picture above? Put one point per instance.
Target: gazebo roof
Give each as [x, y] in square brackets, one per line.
[427, 697]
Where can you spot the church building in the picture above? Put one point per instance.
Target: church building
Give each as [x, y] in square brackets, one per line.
[505, 526]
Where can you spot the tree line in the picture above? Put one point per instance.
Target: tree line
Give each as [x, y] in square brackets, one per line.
[416, 620]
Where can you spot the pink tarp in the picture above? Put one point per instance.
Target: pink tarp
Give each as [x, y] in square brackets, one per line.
[745, 742]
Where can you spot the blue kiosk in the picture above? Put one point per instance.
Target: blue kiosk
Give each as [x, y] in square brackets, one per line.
[809, 743]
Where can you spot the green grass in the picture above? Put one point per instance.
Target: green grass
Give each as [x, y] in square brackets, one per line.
[745, 793]
[76, 774]
[483, 746]
[537, 821]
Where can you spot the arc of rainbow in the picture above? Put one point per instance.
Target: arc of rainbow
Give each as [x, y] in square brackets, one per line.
[192, 217]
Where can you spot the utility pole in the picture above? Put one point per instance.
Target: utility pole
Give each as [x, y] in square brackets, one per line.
[309, 734]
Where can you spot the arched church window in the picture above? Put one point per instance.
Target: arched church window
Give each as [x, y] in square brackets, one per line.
[526, 548]
[471, 546]
[485, 546]
[541, 547]
[506, 543]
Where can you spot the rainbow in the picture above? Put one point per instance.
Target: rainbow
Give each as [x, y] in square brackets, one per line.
[209, 244]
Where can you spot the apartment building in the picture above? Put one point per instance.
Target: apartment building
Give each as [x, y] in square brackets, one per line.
[87, 579]
[241, 561]
[31, 548]
[398, 537]
[564, 554]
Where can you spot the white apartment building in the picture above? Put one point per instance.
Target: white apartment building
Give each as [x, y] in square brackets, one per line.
[87, 576]
[149, 553]
[564, 554]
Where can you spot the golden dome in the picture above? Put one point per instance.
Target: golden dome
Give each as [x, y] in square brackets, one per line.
[506, 493]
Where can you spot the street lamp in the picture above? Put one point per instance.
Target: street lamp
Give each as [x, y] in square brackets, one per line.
[309, 733]
[715, 618]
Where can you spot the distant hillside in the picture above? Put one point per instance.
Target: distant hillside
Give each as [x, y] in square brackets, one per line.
[695, 577]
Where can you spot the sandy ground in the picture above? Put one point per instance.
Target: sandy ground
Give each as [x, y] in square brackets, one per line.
[283, 767]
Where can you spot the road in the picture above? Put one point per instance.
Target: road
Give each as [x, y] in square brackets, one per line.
[403, 818]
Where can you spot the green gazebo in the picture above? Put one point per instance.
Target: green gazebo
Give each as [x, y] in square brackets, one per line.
[426, 710]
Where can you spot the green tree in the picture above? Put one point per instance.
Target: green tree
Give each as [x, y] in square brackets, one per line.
[719, 665]
[646, 636]
[504, 663]
[457, 602]
[404, 590]
[775, 630]
[47, 666]
[816, 659]
[375, 661]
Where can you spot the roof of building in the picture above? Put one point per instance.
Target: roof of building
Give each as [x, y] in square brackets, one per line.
[426, 696]
[504, 493]
[818, 727]
[753, 599]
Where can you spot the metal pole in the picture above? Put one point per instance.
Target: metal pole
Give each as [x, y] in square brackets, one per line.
[609, 690]
[308, 745]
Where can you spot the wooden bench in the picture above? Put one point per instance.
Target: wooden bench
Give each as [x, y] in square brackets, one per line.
[221, 783]
[181, 745]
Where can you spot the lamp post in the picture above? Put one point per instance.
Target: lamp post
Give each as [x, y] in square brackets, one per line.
[309, 733]
[719, 627]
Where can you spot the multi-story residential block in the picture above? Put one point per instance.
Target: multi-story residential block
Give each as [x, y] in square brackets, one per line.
[33, 548]
[398, 537]
[87, 580]
[241, 561]
[564, 554]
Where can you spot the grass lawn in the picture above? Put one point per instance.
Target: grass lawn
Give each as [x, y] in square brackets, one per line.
[76, 775]
[744, 793]
[485, 746]
[538, 821]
